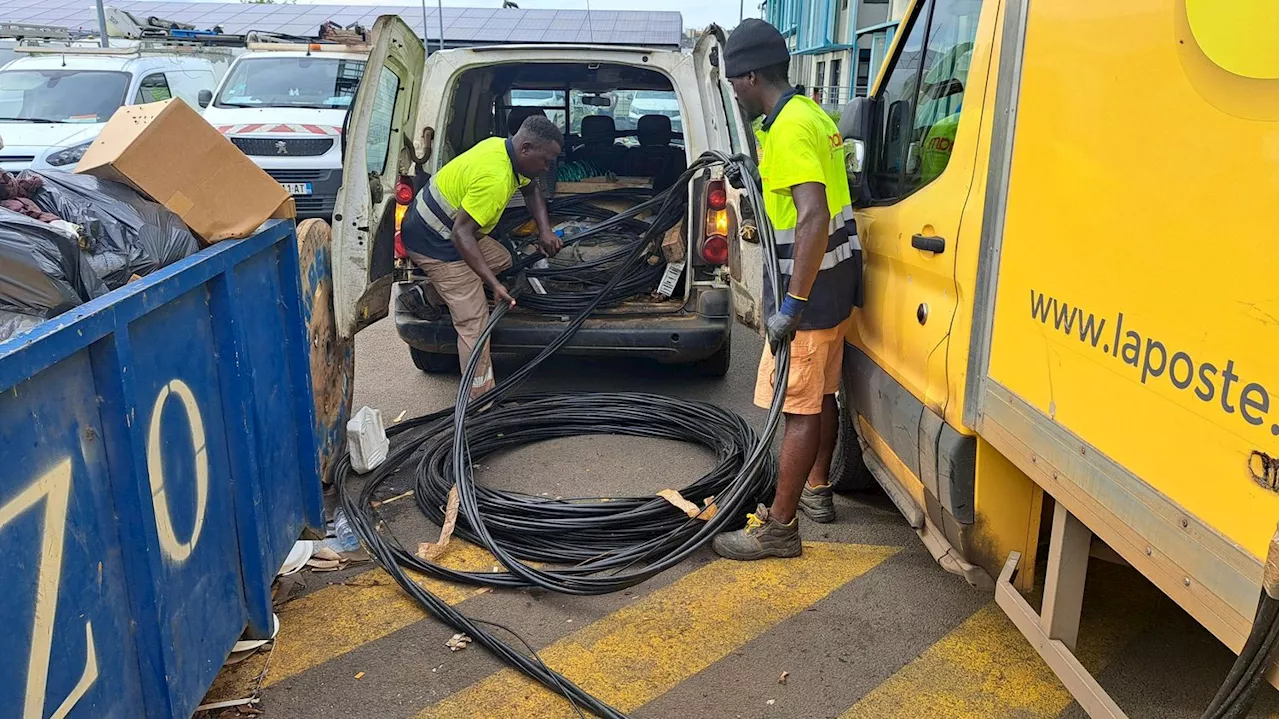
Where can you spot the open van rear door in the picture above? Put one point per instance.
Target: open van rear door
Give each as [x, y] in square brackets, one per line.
[380, 122]
[732, 133]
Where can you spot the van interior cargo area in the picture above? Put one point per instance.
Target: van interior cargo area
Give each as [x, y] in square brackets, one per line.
[602, 232]
[619, 121]
[621, 150]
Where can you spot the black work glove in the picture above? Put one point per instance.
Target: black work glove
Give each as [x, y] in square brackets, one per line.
[782, 324]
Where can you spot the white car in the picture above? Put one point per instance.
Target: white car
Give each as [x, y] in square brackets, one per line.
[52, 106]
[284, 109]
[650, 102]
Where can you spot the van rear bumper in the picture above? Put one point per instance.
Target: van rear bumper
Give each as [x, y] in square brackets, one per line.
[674, 337]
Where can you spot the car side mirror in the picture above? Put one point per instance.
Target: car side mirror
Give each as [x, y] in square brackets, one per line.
[856, 123]
[204, 98]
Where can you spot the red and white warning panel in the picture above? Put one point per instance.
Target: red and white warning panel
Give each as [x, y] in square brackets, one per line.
[279, 129]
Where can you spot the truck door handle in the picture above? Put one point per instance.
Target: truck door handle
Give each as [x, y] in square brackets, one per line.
[936, 245]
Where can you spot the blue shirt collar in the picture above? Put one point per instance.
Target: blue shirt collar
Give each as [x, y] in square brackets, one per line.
[511, 155]
[777, 108]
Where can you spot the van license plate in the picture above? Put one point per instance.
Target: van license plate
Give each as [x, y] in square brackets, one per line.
[297, 188]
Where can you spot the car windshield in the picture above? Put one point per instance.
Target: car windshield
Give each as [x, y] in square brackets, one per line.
[61, 95]
[319, 82]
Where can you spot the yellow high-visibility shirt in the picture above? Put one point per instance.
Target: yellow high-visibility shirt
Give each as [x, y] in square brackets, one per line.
[481, 181]
[800, 144]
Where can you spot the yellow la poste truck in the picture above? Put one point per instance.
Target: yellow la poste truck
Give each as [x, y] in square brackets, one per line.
[1069, 223]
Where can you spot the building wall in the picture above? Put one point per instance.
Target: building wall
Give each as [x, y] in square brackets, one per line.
[824, 40]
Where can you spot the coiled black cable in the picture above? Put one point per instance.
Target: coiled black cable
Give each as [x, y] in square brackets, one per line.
[565, 288]
[608, 545]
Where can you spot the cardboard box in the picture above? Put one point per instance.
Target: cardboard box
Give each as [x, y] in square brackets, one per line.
[167, 151]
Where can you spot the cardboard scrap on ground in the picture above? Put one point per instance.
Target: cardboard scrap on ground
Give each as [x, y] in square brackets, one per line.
[690, 509]
[325, 560]
[431, 550]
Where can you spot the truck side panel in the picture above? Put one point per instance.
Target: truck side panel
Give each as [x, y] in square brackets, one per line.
[1132, 358]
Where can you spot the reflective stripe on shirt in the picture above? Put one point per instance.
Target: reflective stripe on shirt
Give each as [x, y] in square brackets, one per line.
[830, 259]
[429, 214]
[843, 219]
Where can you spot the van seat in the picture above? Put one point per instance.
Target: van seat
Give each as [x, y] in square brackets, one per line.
[517, 115]
[656, 157]
[598, 148]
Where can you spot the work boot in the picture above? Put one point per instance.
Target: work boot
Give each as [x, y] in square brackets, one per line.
[763, 537]
[817, 503]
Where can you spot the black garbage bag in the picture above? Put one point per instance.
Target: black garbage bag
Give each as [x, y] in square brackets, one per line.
[128, 233]
[13, 324]
[42, 271]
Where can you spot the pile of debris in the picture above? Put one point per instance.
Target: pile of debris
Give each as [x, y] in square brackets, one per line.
[66, 239]
[127, 211]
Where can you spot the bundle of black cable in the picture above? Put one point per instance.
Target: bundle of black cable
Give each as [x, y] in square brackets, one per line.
[596, 545]
[566, 287]
[594, 534]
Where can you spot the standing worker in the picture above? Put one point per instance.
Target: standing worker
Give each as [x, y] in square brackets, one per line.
[445, 230]
[806, 199]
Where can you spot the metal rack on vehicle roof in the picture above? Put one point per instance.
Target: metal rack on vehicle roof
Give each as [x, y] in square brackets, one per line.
[154, 34]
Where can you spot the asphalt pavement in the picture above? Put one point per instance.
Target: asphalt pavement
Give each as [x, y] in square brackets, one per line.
[864, 625]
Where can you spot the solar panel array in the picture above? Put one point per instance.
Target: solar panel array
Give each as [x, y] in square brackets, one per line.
[462, 26]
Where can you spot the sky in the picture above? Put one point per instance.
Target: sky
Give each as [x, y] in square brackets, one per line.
[696, 14]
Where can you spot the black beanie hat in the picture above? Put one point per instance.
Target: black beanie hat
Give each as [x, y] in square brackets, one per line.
[754, 45]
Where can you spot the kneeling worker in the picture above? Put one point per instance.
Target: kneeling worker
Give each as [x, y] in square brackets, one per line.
[445, 230]
[806, 199]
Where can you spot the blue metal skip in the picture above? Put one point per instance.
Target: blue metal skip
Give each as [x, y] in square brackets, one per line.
[157, 461]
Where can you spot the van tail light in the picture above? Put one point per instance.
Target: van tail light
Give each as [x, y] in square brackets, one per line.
[715, 243]
[715, 249]
[404, 191]
[717, 197]
[401, 252]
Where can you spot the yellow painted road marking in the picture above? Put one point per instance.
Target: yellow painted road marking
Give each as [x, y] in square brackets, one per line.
[985, 668]
[641, 651]
[330, 622]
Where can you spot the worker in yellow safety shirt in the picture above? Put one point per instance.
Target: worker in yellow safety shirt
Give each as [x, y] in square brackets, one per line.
[935, 151]
[806, 198]
[445, 230]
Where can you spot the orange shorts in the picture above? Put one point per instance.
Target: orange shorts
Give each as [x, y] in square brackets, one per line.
[816, 356]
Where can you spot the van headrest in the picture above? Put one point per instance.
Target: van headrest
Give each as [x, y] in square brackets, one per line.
[654, 130]
[598, 129]
[517, 115]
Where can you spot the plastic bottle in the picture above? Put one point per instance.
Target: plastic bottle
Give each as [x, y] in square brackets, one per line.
[347, 540]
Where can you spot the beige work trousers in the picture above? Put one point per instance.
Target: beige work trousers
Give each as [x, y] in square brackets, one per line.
[463, 291]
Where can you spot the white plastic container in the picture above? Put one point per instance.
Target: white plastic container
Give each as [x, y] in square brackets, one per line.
[367, 440]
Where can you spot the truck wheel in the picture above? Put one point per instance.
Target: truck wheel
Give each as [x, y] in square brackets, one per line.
[433, 362]
[848, 472]
[717, 365]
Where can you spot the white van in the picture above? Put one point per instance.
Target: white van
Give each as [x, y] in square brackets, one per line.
[284, 108]
[54, 103]
[459, 97]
